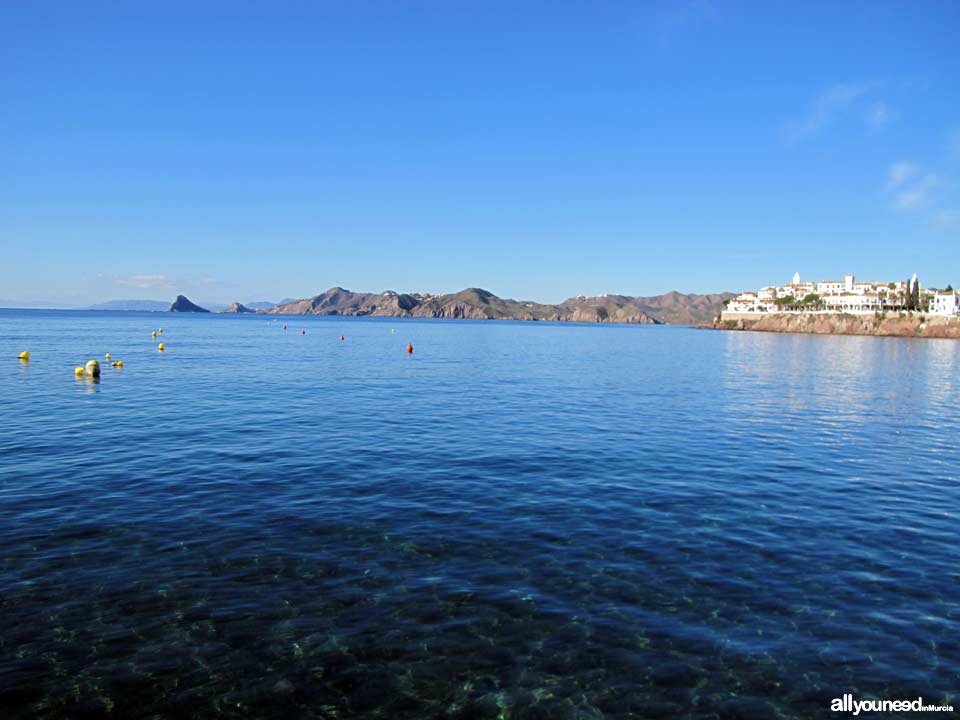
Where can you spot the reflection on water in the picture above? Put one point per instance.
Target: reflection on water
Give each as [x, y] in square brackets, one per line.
[522, 520]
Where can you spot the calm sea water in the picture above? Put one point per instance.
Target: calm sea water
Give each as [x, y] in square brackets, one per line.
[521, 520]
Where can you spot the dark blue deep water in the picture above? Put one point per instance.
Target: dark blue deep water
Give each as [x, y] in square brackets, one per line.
[521, 520]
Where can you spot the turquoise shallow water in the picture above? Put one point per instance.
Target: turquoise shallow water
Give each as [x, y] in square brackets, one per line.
[521, 520]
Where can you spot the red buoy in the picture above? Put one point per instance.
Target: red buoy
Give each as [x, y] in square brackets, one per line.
[409, 348]
[341, 338]
[303, 332]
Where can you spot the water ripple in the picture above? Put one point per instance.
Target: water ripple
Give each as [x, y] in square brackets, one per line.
[521, 520]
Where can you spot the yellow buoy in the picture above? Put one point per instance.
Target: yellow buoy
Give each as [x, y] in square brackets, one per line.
[92, 368]
[119, 363]
[78, 372]
[153, 334]
[161, 331]
[161, 347]
[24, 355]
[107, 356]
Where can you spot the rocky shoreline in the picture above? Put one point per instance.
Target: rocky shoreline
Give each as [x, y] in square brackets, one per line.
[893, 325]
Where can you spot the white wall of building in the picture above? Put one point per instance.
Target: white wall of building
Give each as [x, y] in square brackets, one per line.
[945, 304]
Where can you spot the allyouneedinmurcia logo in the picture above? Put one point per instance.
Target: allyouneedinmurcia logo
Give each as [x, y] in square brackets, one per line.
[855, 707]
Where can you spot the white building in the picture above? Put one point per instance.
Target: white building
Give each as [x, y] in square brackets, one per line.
[830, 287]
[946, 304]
[847, 296]
[743, 303]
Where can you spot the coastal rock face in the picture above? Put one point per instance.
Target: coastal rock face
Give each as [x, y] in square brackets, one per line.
[471, 304]
[605, 309]
[337, 301]
[182, 304]
[479, 304]
[238, 308]
[683, 309]
[892, 325]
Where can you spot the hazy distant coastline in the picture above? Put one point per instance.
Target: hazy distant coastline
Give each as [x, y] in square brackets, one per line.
[125, 305]
[473, 303]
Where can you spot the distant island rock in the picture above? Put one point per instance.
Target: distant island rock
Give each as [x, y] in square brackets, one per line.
[238, 308]
[182, 304]
[479, 304]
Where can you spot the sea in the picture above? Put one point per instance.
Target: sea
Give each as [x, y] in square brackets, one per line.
[515, 520]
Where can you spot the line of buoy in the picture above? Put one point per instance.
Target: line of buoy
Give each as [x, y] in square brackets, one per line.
[92, 367]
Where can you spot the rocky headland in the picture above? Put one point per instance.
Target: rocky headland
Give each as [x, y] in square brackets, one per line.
[889, 325]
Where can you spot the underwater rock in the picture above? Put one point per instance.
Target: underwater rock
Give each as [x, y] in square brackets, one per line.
[283, 687]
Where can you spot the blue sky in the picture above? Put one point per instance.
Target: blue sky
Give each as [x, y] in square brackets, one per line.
[250, 151]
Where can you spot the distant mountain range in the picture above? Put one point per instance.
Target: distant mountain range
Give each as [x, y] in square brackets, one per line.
[683, 309]
[473, 303]
[479, 304]
[265, 304]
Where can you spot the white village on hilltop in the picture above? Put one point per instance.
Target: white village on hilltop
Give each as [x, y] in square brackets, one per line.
[846, 296]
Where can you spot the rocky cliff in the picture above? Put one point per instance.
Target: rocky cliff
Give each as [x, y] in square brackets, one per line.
[608, 308]
[182, 304]
[893, 325]
[683, 309]
[472, 303]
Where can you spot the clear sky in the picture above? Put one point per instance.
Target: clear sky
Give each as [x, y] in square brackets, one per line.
[260, 150]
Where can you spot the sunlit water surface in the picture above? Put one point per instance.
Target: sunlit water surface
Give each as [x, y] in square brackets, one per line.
[521, 520]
